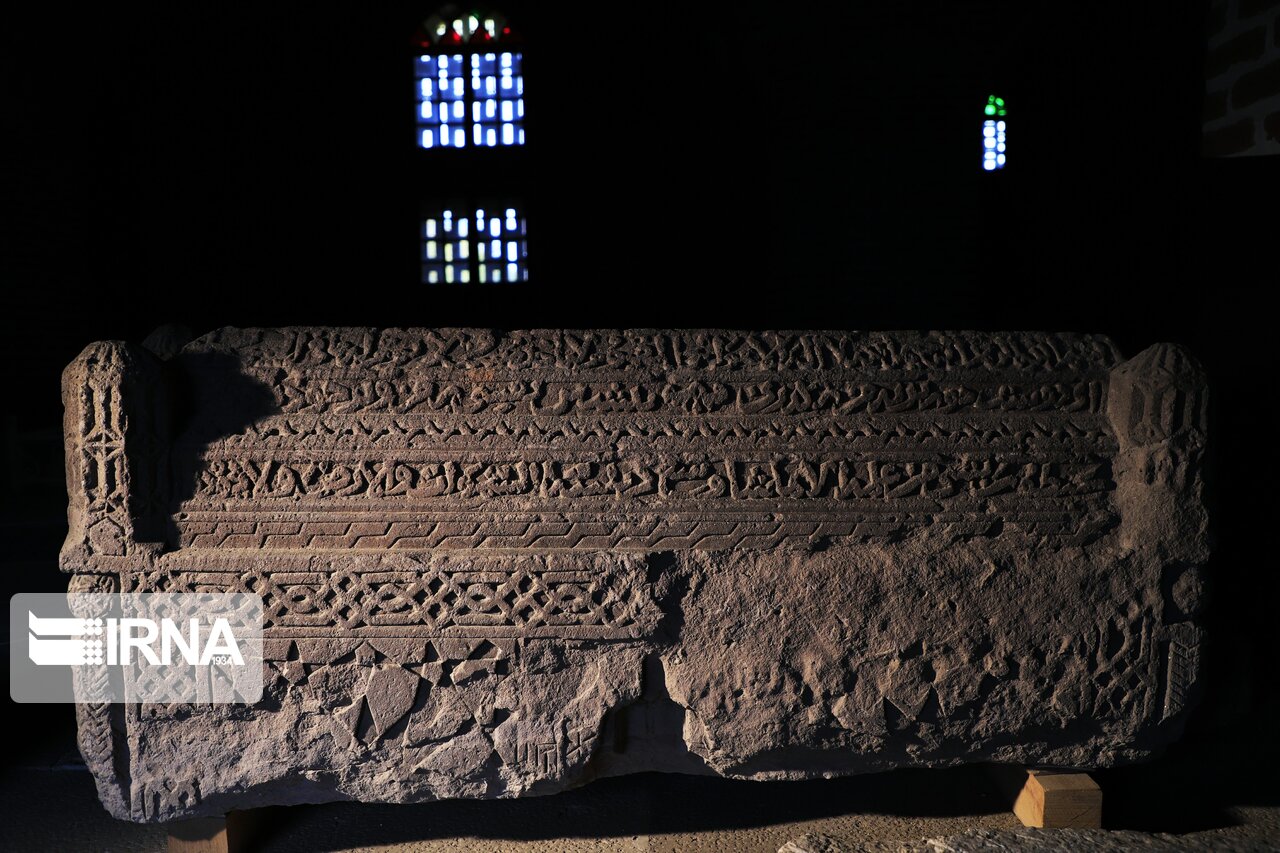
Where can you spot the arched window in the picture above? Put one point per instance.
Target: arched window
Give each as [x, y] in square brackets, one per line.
[994, 126]
[470, 79]
[469, 76]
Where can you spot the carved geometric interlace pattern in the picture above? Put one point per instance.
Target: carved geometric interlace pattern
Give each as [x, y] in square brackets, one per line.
[494, 598]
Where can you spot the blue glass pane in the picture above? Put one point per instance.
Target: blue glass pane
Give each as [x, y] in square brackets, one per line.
[994, 144]
[452, 88]
[479, 96]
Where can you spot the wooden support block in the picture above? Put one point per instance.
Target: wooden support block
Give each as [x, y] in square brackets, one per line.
[199, 835]
[231, 833]
[1054, 799]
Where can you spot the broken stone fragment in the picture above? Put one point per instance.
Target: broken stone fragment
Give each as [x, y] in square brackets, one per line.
[505, 563]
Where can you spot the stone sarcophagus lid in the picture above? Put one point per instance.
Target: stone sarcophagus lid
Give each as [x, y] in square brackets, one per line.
[504, 563]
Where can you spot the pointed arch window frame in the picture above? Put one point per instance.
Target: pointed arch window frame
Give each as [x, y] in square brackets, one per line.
[469, 76]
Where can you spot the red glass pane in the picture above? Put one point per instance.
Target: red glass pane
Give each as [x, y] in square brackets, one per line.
[453, 30]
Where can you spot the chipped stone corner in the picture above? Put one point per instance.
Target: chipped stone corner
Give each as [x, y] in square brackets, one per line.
[1158, 407]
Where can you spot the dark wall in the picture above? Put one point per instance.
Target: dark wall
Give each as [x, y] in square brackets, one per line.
[725, 166]
[1242, 71]
[249, 159]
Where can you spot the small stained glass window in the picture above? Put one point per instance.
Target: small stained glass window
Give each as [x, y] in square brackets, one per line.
[470, 83]
[480, 245]
[994, 141]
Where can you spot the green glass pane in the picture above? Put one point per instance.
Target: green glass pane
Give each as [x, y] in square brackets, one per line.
[999, 102]
[989, 110]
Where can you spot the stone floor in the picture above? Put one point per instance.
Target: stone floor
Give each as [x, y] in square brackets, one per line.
[50, 805]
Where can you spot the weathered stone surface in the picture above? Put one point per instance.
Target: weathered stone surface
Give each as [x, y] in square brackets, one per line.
[498, 564]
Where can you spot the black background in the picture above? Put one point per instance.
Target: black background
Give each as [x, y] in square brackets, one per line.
[733, 166]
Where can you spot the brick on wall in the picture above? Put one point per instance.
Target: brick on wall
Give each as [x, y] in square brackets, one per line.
[1271, 127]
[1217, 21]
[1232, 139]
[1250, 8]
[1215, 105]
[1254, 86]
[1242, 78]
[1237, 50]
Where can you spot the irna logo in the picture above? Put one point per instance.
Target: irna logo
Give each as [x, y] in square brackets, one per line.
[199, 647]
[80, 642]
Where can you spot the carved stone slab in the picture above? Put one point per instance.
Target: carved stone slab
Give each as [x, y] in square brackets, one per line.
[505, 563]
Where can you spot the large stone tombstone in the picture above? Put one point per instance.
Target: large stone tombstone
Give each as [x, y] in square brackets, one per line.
[504, 563]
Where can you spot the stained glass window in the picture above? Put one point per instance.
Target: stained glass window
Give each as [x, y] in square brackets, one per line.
[994, 126]
[470, 83]
[482, 245]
